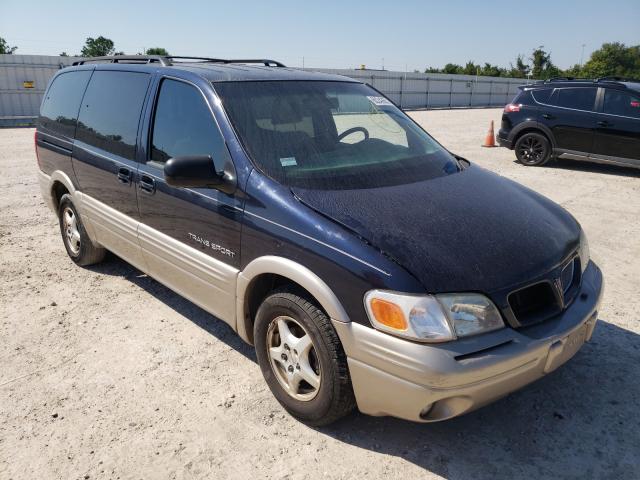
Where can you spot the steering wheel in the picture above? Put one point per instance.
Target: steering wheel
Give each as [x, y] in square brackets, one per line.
[348, 132]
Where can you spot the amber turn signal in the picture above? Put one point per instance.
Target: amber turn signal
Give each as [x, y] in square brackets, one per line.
[388, 314]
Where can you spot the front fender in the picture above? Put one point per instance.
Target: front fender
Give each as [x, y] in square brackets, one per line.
[271, 264]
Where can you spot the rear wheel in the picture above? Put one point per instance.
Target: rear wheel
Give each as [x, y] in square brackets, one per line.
[533, 149]
[302, 359]
[76, 241]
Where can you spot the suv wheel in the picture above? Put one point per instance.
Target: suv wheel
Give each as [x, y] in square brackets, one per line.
[533, 149]
[302, 359]
[79, 247]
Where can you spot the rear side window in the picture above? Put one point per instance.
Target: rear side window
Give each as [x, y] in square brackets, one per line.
[578, 98]
[110, 111]
[60, 107]
[621, 103]
[542, 95]
[184, 125]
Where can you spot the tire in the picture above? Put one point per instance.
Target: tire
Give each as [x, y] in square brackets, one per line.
[533, 149]
[74, 236]
[333, 397]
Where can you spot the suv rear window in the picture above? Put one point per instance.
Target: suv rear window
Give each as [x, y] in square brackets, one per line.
[621, 103]
[578, 98]
[60, 107]
[111, 111]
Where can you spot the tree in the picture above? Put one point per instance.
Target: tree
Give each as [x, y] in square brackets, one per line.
[470, 68]
[540, 60]
[156, 51]
[521, 69]
[614, 59]
[452, 68]
[542, 66]
[97, 47]
[5, 48]
[63, 54]
[493, 71]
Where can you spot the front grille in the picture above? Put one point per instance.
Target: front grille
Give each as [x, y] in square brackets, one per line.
[534, 304]
[546, 298]
[570, 280]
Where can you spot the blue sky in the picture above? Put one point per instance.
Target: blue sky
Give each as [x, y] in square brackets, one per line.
[408, 34]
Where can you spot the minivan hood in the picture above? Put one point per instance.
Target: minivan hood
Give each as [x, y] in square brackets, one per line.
[468, 231]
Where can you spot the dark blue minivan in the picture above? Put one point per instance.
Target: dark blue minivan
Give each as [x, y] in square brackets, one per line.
[368, 265]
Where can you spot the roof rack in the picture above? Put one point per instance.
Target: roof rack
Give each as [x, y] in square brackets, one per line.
[126, 59]
[264, 61]
[617, 79]
[166, 60]
[566, 79]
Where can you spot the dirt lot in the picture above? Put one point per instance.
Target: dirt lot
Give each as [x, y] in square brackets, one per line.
[104, 373]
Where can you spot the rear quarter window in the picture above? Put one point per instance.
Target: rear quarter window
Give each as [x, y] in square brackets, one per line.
[542, 95]
[577, 98]
[111, 109]
[59, 110]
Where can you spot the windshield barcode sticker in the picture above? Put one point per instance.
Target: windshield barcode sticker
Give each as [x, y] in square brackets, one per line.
[288, 161]
[380, 101]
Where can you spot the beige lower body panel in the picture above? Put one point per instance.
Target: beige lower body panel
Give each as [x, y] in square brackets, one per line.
[420, 383]
[207, 282]
[111, 229]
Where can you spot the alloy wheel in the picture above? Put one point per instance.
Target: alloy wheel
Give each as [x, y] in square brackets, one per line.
[72, 234]
[531, 150]
[293, 358]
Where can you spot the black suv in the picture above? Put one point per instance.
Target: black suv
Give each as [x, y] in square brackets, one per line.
[594, 120]
[366, 263]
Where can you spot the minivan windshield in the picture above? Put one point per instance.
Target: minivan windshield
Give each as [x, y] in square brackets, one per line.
[330, 135]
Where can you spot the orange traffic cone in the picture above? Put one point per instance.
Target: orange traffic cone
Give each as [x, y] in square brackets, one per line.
[490, 139]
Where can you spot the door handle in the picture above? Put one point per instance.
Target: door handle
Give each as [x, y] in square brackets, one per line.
[548, 116]
[147, 184]
[604, 123]
[124, 175]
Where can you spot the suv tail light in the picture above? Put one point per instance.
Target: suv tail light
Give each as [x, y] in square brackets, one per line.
[512, 107]
[35, 147]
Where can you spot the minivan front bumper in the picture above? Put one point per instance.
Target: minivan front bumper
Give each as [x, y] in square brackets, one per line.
[431, 382]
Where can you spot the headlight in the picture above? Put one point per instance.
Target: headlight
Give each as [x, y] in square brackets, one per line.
[430, 318]
[584, 251]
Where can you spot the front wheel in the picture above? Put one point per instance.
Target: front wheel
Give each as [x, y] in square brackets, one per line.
[533, 149]
[302, 359]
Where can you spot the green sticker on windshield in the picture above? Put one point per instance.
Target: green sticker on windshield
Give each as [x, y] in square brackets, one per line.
[288, 161]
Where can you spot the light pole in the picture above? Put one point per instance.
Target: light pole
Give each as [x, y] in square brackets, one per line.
[582, 55]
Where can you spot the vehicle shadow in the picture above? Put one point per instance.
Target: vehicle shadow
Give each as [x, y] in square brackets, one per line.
[115, 266]
[582, 421]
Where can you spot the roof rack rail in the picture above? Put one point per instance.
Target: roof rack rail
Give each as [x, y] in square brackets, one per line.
[617, 79]
[126, 59]
[166, 60]
[561, 79]
[264, 61]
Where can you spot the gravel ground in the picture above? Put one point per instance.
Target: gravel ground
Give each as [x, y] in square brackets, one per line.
[105, 373]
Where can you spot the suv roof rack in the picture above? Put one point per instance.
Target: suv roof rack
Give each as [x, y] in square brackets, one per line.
[166, 60]
[562, 79]
[617, 79]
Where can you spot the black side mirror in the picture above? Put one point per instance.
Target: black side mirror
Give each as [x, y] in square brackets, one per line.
[194, 171]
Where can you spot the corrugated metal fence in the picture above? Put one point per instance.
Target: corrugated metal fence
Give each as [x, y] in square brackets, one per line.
[435, 90]
[23, 79]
